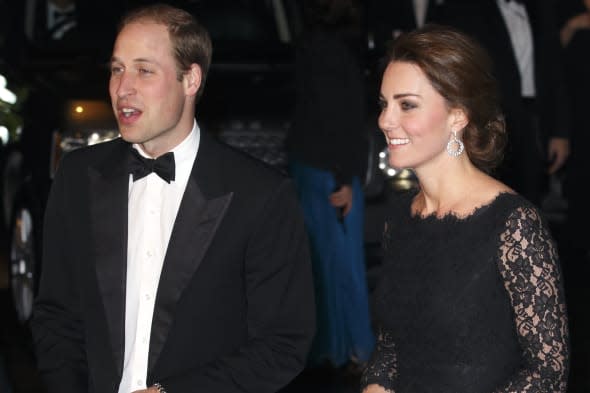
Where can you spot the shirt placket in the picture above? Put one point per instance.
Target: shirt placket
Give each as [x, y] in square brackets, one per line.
[150, 273]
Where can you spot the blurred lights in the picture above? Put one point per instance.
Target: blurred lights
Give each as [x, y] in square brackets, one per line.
[79, 109]
[5, 94]
[391, 172]
[387, 169]
[400, 178]
[94, 138]
[4, 135]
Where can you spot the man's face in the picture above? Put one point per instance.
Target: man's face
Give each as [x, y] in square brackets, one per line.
[152, 107]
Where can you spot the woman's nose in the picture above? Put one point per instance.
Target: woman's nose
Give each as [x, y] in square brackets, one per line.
[388, 120]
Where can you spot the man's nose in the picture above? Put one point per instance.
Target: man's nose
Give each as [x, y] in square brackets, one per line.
[125, 85]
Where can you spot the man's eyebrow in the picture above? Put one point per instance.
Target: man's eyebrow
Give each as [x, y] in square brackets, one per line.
[115, 59]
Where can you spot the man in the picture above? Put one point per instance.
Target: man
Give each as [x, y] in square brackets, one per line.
[192, 279]
[390, 18]
[522, 38]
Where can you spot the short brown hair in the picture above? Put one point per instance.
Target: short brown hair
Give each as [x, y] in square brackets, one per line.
[460, 70]
[190, 40]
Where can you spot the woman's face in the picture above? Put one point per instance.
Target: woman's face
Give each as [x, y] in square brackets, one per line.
[415, 118]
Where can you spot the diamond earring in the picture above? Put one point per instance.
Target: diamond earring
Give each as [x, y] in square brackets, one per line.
[455, 147]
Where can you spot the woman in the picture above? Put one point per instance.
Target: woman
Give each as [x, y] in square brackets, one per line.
[470, 297]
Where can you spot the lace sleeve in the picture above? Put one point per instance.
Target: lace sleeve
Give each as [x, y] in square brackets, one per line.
[382, 367]
[529, 265]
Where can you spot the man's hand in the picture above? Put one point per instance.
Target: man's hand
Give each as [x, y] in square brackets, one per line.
[342, 198]
[558, 152]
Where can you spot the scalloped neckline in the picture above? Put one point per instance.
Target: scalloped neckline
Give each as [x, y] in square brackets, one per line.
[451, 216]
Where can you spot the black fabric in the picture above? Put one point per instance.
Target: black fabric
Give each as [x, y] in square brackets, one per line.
[234, 309]
[141, 166]
[523, 169]
[470, 305]
[328, 130]
[578, 166]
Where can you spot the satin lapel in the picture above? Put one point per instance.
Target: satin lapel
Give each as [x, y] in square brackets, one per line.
[109, 187]
[195, 226]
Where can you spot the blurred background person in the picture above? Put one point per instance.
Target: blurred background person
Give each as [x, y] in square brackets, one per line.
[327, 148]
[523, 41]
[574, 22]
[575, 38]
[50, 19]
[387, 19]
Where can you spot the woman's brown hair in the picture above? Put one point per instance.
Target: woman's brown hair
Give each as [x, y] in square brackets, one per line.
[461, 71]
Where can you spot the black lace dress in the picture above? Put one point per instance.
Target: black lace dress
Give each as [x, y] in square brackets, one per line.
[471, 304]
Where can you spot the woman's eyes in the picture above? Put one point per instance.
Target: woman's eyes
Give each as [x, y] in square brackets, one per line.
[407, 105]
[404, 105]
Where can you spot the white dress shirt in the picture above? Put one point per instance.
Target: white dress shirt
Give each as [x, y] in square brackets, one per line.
[521, 36]
[420, 11]
[153, 205]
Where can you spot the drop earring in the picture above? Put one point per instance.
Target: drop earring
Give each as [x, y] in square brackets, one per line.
[455, 147]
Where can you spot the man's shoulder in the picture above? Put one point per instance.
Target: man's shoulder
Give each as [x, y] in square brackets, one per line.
[100, 155]
[238, 165]
[94, 152]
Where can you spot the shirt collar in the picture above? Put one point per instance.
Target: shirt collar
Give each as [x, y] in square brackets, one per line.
[187, 149]
[184, 153]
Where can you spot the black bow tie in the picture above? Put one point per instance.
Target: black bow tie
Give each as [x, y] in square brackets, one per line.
[163, 166]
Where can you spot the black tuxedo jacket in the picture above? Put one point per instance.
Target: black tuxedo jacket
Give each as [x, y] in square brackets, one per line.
[389, 18]
[483, 20]
[234, 310]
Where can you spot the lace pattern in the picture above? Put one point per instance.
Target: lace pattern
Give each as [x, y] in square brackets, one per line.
[382, 367]
[528, 263]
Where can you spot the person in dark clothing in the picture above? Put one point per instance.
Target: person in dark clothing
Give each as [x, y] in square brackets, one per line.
[575, 38]
[402, 16]
[170, 261]
[327, 148]
[574, 16]
[470, 296]
[523, 41]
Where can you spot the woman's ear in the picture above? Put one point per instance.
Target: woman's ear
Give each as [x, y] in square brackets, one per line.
[458, 119]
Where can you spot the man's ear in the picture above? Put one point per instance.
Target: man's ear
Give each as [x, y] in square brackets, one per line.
[459, 119]
[192, 80]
